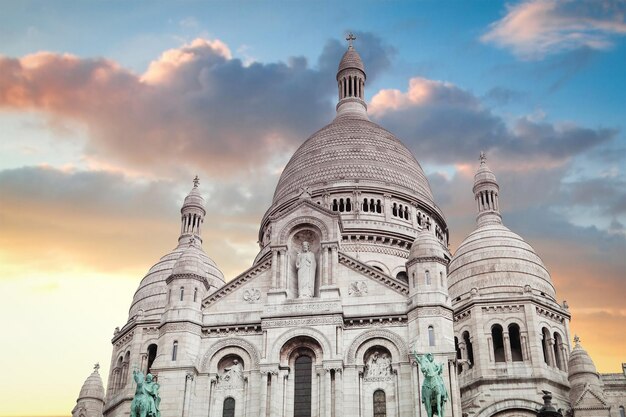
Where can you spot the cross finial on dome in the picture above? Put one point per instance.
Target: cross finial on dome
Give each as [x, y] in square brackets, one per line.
[196, 181]
[350, 38]
[483, 158]
[96, 367]
[577, 340]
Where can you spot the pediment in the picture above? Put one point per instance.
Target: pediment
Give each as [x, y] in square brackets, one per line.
[305, 212]
[372, 274]
[589, 398]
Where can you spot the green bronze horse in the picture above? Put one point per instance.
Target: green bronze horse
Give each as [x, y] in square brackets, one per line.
[146, 400]
[434, 393]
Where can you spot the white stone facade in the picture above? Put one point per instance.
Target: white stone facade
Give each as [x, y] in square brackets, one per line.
[385, 285]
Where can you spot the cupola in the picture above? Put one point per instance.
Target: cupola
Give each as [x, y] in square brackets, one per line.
[486, 192]
[193, 213]
[351, 82]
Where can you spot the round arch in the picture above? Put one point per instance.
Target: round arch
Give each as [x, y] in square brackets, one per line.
[385, 338]
[305, 221]
[232, 345]
[293, 333]
[512, 405]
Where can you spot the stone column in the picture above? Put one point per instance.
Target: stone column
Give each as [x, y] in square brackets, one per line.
[263, 388]
[144, 363]
[339, 393]
[335, 262]
[325, 266]
[508, 356]
[285, 269]
[454, 389]
[327, 393]
[492, 359]
[415, 389]
[350, 387]
[276, 399]
[551, 357]
[524, 343]
[463, 349]
[274, 268]
[212, 382]
[387, 206]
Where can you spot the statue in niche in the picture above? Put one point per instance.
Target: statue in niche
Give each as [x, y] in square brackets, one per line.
[434, 393]
[306, 265]
[378, 365]
[232, 376]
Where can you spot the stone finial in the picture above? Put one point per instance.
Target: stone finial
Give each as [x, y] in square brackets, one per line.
[482, 158]
[350, 38]
[96, 367]
[196, 181]
[576, 341]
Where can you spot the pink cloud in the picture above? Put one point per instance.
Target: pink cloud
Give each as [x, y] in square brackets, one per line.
[536, 28]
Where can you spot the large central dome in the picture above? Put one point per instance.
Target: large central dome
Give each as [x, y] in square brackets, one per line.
[352, 150]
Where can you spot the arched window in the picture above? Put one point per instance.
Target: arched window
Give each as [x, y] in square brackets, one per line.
[516, 343]
[152, 352]
[544, 345]
[402, 276]
[229, 407]
[498, 343]
[302, 387]
[380, 403]
[427, 276]
[195, 295]
[406, 213]
[621, 411]
[365, 205]
[379, 207]
[341, 205]
[431, 336]
[394, 210]
[174, 350]
[558, 343]
[182, 293]
[413, 276]
[335, 206]
[169, 295]
[348, 205]
[441, 279]
[469, 348]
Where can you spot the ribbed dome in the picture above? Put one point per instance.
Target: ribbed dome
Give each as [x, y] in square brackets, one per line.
[580, 363]
[194, 198]
[351, 59]
[426, 245]
[151, 296]
[192, 261]
[352, 150]
[92, 388]
[495, 260]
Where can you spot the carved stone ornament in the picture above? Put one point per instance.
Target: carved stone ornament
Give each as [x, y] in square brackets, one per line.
[232, 377]
[378, 366]
[357, 288]
[252, 295]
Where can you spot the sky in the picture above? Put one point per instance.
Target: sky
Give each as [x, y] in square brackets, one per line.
[109, 109]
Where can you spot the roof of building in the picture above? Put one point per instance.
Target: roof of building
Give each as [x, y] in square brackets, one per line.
[92, 387]
[495, 260]
[426, 245]
[351, 59]
[353, 150]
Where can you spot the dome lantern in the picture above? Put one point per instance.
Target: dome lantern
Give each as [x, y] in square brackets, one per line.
[486, 193]
[193, 213]
[351, 82]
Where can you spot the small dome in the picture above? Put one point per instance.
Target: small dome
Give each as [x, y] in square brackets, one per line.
[580, 363]
[426, 245]
[351, 60]
[194, 199]
[484, 174]
[191, 262]
[151, 296]
[495, 260]
[92, 388]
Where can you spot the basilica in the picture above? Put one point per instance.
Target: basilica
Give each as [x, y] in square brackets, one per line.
[353, 284]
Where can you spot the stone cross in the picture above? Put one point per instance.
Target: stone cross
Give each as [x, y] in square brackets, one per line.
[96, 367]
[483, 158]
[350, 38]
[196, 181]
[577, 340]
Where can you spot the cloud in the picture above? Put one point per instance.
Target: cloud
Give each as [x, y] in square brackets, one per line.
[444, 123]
[536, 28]
[195, 107]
